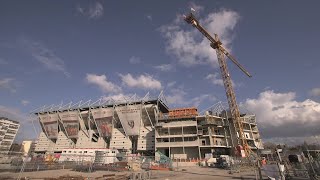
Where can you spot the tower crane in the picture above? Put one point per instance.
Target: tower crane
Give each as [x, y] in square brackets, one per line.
[216, 44]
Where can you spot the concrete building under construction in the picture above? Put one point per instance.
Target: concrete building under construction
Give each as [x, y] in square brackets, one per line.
[187, 134]
[141, 126]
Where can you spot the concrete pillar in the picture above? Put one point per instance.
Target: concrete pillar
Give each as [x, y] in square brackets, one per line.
[183, 141]
[225, 136]
[169, 143]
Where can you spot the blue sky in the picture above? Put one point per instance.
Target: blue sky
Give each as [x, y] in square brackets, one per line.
[81, 50]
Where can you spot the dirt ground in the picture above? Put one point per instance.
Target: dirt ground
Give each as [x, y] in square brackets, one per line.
[181, 174]
[202, 173]
[58, 173]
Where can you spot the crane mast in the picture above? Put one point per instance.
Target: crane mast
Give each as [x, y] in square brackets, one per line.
[221, 52]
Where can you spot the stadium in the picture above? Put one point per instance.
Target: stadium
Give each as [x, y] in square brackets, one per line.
[141, 126]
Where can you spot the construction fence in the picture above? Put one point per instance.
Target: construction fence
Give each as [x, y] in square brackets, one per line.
[289, 167]
[118, 164]
[125, 167]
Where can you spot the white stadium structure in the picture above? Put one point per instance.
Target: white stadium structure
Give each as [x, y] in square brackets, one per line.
[126, 126]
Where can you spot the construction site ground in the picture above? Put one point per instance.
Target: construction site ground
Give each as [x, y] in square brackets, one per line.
[179, 174]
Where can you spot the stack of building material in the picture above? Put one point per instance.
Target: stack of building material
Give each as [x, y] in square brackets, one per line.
[183, 112]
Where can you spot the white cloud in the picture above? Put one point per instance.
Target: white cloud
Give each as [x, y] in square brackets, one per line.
[294, 140]
[102, 82]
[149, 17]
[121, 97]
[80, 9]
[8, 84]
[171, 84]
[134, 60]
[94, 11]
[196, 7]
[165, 67]
[215, 79]
[12, 113]
[44, 55]
[196, 101]
[25, 102]
[3, 61]
[177, 97]
[145, 81]
[280, 115]
[189, 46]
[315, 92]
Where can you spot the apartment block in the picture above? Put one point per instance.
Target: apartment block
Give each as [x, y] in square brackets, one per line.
[8, 132]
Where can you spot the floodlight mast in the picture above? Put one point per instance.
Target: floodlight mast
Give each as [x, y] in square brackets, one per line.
[216, 44]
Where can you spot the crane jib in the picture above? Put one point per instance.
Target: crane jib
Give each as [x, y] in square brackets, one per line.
[217, 44]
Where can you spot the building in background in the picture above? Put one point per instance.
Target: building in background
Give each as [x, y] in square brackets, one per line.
[143, 126]
[27, 147]
[8, 132]
[15, 148]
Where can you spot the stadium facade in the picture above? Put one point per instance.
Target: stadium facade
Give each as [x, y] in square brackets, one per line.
[140, 126]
